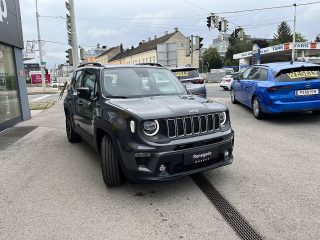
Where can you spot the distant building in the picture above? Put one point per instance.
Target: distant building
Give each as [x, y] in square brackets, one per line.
[92, 54]
[108, 54]
[221, 43]
[168, 50]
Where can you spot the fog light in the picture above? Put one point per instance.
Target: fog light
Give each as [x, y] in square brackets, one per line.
[227, 155]
[162, 168]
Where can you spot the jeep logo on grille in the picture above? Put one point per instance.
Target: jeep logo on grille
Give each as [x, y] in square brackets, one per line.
[3, 10]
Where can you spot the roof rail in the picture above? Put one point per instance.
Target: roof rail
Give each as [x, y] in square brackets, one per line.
[151, 64]
[91, 63]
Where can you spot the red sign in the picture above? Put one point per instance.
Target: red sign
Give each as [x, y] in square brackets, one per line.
[36, 78]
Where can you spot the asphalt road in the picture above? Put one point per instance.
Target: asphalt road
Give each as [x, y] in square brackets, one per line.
[43, 97]
[51, 189]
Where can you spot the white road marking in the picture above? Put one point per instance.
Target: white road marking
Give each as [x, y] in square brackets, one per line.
[39, 98]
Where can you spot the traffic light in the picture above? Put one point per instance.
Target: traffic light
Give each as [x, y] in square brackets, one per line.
[69, 57]
[209, 21]
[220, 26]
[225, 25]
[236, 32]
[198, 43]
[188, 47]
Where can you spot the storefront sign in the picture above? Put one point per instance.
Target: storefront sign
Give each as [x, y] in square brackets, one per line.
[10, 23]
[36, 78]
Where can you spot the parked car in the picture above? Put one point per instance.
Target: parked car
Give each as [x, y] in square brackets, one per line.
[56, 84]
[144, 123]
[228, 79]
[279, 87]
[190, 78]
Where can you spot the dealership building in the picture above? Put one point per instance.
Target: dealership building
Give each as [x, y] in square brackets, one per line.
[305, 51]
[14, 104]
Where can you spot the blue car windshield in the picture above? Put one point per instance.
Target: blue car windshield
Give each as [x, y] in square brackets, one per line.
[140, 82]
[298, 74]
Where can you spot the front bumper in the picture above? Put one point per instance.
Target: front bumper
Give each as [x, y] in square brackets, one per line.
[174, 158]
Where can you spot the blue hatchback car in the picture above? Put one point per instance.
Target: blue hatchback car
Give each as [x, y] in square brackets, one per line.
[279, 87]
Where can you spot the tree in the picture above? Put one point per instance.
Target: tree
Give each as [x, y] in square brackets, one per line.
[236, 46]
[212, 56]
[283, 34]
[300, 38]
[317, 38]
[261, 43]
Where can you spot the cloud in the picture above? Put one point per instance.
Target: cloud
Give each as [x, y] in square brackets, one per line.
[95, 33]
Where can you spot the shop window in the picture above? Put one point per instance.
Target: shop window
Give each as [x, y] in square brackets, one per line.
[9, 100]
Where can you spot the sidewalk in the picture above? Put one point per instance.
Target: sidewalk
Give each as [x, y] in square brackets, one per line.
[38, 90]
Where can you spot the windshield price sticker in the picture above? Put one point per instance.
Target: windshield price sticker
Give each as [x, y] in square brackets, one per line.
[303, 74]
[181, 74]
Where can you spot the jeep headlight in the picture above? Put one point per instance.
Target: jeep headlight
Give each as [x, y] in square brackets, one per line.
[223, 118]
[151, 128]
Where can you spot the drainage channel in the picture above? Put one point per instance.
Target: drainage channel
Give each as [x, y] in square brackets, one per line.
[236, 221]
[12, 135]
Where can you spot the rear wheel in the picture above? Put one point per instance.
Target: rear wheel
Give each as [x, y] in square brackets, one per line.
[71, 134]
[111, 171]
[232, 95]
[316, 112]
[256, 109]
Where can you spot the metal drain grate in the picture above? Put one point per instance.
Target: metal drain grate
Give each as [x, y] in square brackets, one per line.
[11, 135]
[236, 221]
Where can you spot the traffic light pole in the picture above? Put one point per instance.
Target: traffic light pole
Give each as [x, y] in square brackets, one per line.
[43, 79]
[191, 50]
[294, 33]
[75, 52]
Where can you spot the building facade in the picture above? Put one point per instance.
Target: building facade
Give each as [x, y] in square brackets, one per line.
[92, 54]
[151, 51]
[104, 57]
[14, 104]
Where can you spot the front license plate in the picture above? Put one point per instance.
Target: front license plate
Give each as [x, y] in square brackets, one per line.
[307, 92]
[198, 157]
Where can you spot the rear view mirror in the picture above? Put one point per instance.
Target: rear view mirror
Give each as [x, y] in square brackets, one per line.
[83, 92]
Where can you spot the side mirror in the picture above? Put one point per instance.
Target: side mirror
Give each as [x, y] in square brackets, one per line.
[83, 92]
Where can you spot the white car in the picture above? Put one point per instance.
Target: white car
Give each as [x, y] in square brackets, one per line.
[226, 82]
[56, 84]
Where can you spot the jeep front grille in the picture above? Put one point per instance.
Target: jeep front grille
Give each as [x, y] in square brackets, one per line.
[194, 125]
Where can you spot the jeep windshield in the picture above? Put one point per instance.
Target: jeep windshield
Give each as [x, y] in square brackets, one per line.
[128, 82]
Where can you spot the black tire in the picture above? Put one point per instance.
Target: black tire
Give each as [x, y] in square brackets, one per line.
[110, 166]
[73, 137]
[316, 112]
[256, 109]
[232, 95]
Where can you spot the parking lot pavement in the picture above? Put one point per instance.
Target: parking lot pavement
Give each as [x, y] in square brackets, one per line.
[51, 189]
[274, 180]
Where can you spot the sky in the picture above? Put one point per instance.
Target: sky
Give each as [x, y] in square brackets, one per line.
[128, 22]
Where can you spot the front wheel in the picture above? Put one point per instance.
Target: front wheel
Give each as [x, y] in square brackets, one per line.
[111, 171]
[233, 98]
[256, 108]
[71, 134]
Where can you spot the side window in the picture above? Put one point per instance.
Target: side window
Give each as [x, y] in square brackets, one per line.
[78, 79]
[89, 81]
[254, 74]
[246, 73]
[263, 74]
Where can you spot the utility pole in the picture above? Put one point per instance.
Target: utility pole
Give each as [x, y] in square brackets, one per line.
[43, 79]
[294, 33]
[191, 50]
[74, 39]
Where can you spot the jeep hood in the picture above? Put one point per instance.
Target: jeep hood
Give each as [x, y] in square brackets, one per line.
[167, 106]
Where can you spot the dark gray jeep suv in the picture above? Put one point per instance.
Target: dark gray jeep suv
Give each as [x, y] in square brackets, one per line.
[144, 123]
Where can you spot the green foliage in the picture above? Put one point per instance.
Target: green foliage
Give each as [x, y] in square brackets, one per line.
[317, 38]
[285, 35]
[11, 83]
[261, 43]
[236, 46]
[212, 56]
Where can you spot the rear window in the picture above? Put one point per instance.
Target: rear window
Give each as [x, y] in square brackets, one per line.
[298, 74]
[186, 74]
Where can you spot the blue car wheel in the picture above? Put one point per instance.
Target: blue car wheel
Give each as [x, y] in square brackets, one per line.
[256, 108]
